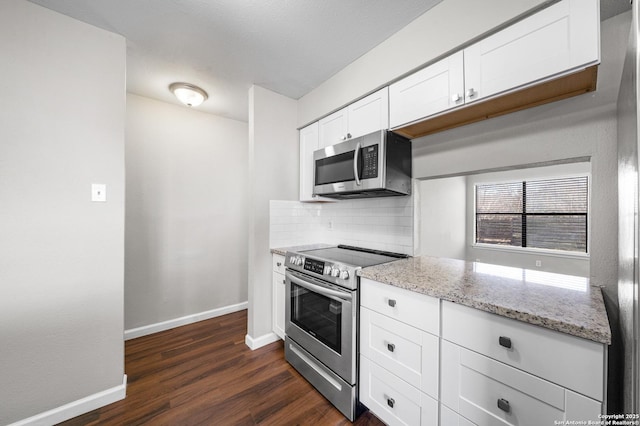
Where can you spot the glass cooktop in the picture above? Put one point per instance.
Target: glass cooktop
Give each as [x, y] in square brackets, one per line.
[353, 256]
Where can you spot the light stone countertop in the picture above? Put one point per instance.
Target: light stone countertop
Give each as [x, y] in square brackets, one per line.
[559, 302]
[283, 250]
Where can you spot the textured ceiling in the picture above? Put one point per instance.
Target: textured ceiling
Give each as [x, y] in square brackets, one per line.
[225, 46]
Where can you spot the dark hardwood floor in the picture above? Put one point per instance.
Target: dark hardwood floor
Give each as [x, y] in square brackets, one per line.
[204, 374]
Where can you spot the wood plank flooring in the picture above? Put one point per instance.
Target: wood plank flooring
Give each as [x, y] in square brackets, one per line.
[204, 374]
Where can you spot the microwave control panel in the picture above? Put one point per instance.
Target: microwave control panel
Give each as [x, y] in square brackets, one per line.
[370, 162]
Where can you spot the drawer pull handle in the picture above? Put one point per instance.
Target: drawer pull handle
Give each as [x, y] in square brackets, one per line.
[391, 402]
[505, 341]
[503, 404]
[392, 303]
[391, 347]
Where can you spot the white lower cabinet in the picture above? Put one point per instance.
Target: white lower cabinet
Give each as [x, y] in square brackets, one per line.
[278, 291]
[424, 361]
[399, 354]
[409, 353]
[488, 392]
[392, 399]
[449, 417]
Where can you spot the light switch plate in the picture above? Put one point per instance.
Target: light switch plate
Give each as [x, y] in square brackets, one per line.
[98, 192]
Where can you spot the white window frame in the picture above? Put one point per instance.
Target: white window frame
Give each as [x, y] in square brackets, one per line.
[534, 250]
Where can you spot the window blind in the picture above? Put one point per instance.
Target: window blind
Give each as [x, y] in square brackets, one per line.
[546, 214]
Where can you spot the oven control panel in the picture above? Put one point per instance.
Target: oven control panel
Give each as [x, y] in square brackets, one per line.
[315, 266]
[333, 272]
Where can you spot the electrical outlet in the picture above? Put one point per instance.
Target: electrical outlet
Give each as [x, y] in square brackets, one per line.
[98, 192]
[538, 263]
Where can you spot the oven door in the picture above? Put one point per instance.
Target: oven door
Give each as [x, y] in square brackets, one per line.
[321, 318]
[354, 165]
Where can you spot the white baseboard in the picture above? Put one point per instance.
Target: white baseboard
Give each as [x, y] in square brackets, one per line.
[78, 407]
[177, 322]
[258, 342]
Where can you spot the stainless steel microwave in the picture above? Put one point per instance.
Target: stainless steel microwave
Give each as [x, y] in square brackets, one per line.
[373, 165]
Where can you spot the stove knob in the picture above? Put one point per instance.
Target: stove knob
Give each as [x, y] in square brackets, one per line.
[327, 270]
[344, 274]
[299, 260]
[335, 272]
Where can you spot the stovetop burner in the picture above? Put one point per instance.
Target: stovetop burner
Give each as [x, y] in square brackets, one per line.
[354, 256]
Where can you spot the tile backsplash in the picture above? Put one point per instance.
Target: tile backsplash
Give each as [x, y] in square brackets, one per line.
[378, 223]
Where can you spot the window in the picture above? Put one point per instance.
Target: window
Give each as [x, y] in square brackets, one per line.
[543, 214]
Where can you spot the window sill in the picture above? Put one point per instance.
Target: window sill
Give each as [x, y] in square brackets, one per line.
[532, 251]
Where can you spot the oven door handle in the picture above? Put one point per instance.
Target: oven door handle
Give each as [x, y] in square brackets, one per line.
[355, 163]
[333, 294]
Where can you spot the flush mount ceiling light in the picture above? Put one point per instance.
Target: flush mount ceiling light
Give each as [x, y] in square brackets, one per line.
[188, 94]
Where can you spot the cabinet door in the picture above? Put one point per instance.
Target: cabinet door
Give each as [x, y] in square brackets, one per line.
[278, 304]
[558, 39]
[308, 144]
[369, 114]
[429, 91]
[333, 128]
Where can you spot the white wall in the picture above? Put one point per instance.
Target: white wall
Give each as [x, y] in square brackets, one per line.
[61, 256]
[442, 217]
[273, 175]
[445, 27]
[584, 127]
[186, 212]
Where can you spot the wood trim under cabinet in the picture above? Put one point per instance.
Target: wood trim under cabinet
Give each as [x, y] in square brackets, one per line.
[560, 88]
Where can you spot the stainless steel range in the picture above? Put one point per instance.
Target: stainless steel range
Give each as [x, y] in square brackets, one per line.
[322, 318]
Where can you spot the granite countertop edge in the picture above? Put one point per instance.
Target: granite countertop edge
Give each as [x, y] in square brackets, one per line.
[598, 333]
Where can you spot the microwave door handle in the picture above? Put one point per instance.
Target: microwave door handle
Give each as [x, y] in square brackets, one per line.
[332, 294]
[355, 163]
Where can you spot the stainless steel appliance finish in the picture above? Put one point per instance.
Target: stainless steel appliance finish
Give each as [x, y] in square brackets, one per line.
[321, 319]
[628, 210]
[374, 165]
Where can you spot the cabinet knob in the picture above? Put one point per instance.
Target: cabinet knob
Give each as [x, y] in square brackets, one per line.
[284, 281]
[471, 93]
[391, 303]
[503, 404]
[348, 135]
[279, 264]
[391, 347]
[455, 97]
[391, 402]
[505, 341]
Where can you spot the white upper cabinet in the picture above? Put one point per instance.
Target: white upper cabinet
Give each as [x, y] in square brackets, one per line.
[364, 116]
[544, 57]
[333, 128]
[309, 142]
[560, 38]
[431, 90]
[369, 114]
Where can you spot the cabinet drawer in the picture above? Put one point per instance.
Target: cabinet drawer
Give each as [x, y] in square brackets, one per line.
[405, 351]
[394, 400]
[488, 392]
[449, 417]
[569, 361]
[407, 306]
[278, 263]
